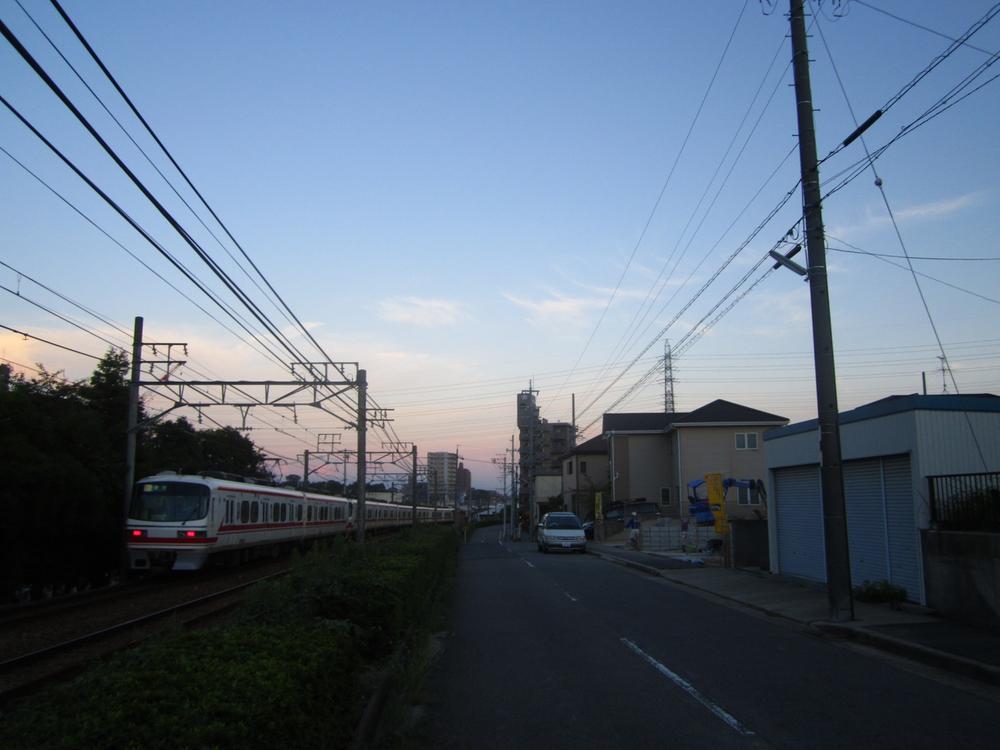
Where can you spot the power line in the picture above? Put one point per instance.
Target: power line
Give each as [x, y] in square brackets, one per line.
[919, 26]
[50, 343]
[663, 189]
[902, 243]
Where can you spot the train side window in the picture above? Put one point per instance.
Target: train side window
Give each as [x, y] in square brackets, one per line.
[245, 511]
[309, 513]
[254, 511]
[298, 512]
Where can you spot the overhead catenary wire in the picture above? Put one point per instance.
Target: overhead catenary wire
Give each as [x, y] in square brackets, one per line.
[255, 344]
[227, 281]
[288, 311]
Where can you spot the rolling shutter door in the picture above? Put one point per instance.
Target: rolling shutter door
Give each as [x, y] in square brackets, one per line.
[865, 521]
[800, 522]
[904, 554]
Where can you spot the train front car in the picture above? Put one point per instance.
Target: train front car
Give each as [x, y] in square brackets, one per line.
[168, 524]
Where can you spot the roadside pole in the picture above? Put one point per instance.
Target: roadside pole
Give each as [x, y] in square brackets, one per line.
[131, 438]
[362, 453]
[838, 564]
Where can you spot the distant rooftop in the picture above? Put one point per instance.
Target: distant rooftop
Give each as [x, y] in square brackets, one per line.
[979, 402]
[721, 410]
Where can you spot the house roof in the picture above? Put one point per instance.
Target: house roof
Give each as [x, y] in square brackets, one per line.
[640, 422]
[597, 444]
[722, 411]
[979, 402]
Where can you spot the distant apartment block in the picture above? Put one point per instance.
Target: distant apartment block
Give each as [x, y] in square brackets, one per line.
[542, 444]
[442, 472]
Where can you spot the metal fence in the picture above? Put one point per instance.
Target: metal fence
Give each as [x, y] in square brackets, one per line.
[966, 502]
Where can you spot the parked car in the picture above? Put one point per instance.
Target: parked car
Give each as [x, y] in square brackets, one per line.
[561, 531]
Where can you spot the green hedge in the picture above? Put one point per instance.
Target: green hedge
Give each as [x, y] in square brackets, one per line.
[286, 672]
[242, 686]
[380, 589]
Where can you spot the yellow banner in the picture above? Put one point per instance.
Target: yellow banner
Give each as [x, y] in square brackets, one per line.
[598, 506]
[717, 501]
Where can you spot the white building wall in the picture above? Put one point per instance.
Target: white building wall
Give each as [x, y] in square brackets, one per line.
[946, 443]
[937, 442]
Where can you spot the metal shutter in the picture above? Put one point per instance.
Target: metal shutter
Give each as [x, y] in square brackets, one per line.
[904, 550]
[866, 521]
[801, 551]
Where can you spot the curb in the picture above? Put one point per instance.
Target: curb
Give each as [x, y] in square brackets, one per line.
[918, 652]
[624, 561]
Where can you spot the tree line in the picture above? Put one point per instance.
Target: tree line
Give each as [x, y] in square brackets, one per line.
[62, 455]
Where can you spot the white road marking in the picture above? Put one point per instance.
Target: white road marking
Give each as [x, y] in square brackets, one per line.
[527, 563]
[690, 689]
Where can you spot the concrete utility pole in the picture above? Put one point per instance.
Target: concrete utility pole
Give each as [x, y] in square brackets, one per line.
[362, 452]
[838, 563]
[130, 439]
[515, 492]
[413, 483]
[305, 469]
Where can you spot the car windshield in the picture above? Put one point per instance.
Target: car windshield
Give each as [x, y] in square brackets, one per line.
[169, 501]
[562, 522]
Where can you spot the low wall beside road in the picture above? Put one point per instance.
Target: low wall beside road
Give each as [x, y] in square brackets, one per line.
[962, 575]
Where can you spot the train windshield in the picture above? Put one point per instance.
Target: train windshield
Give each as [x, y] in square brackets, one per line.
[169, 501]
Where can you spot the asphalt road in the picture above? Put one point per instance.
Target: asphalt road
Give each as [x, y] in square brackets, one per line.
[567, 650]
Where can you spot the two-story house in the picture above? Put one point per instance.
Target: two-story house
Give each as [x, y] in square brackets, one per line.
[654, 456]
[585, 473]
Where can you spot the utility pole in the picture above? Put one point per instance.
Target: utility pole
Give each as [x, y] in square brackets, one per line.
[130, 439]
[838, 563]
[305, 469]
[515, 492]
[413, 482]
[362, 452]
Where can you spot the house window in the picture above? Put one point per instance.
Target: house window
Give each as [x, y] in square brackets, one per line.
[746, 441]
[583, 467]
[746, 496]
[664, 496]
[569, 467]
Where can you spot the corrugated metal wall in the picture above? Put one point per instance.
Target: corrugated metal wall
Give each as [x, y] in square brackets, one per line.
[881, 531]
[866, 521]
[904, 545]
[800, 522]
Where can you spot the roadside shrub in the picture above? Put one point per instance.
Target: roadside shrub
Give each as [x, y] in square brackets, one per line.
[241, 686]
[378, 589]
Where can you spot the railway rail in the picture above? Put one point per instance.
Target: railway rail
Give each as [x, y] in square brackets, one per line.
[63, 657]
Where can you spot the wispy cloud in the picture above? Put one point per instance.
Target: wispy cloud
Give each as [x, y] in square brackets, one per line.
[555, 306]
[920, 212]
[421, 312]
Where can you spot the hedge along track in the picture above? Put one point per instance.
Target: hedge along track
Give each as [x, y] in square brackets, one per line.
[27, 673]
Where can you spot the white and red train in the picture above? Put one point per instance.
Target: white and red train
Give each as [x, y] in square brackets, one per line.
[180, 521]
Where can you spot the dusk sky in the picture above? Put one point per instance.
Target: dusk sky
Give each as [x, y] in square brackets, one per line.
[469, 197]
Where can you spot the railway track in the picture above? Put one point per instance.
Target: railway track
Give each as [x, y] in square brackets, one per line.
[63, 657]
